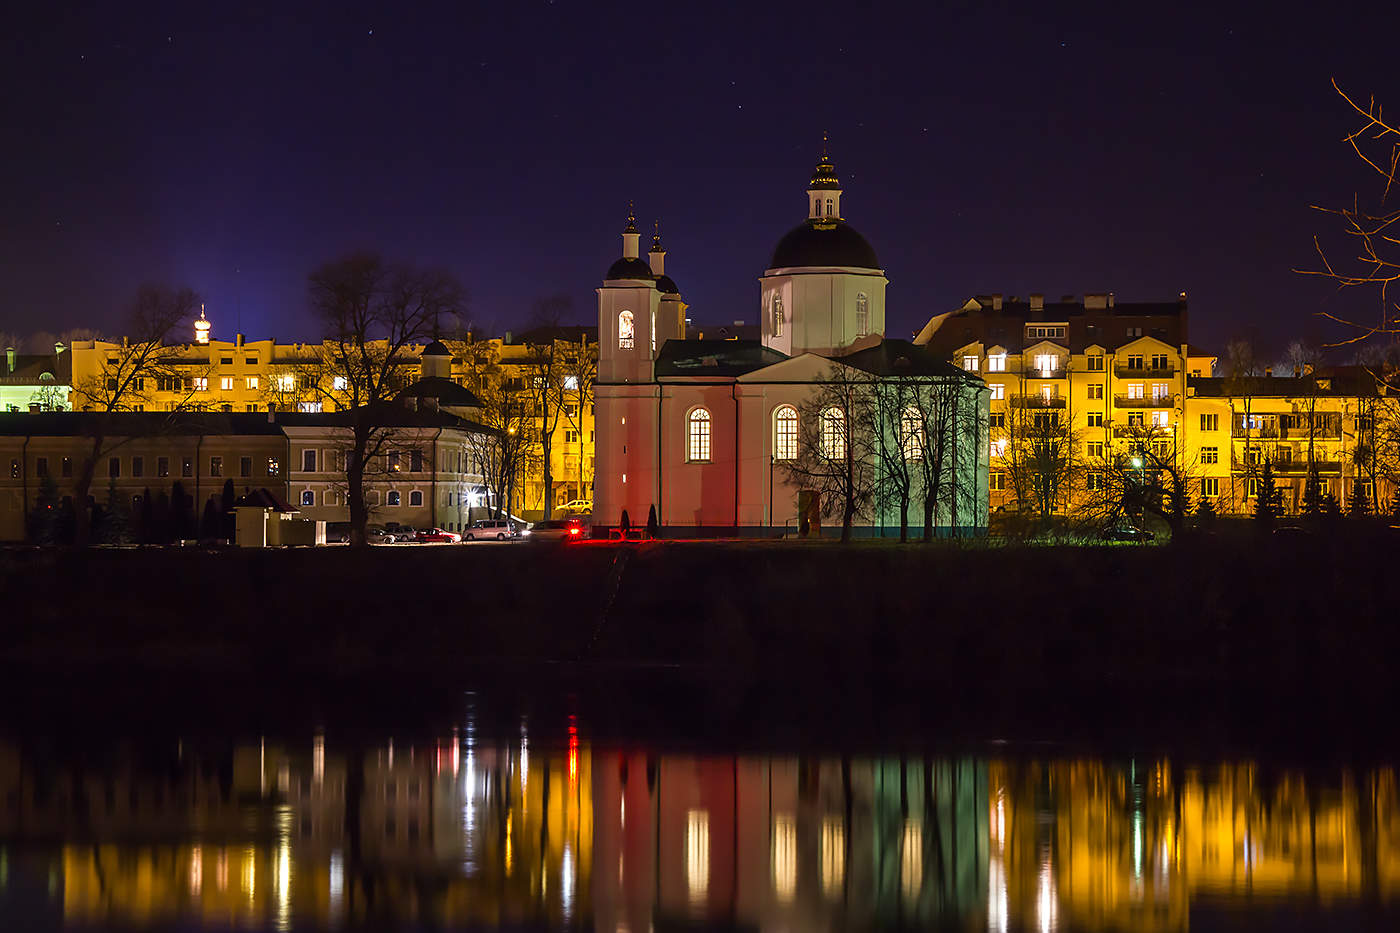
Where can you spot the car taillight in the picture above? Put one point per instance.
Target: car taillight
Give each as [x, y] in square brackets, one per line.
[573, 531]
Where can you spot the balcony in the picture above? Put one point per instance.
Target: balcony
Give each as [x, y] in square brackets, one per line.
[1125, 372]
[1036, 401]
[1123, 401]
[1141, 432]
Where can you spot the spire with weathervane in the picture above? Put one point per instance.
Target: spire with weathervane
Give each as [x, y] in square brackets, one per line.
[201, 327]
[824, 190]
[631, 239]
[657, 254]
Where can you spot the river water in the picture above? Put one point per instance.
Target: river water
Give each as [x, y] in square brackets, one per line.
[541, 826]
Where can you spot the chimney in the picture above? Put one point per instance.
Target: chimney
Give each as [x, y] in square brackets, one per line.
[1096, 301]
[507, 340]
[58, 348]
[238, 340]
[1110, 299]
[996, 301]
[271, 413]
[1037, 301]
[1268, 372]
[10, 359]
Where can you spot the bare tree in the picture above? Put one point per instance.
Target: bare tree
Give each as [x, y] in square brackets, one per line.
[579, 371]
[896, 427]
[1370, 230]
[543, 373]
[836, 450]
[146, 362]
[1039, 455]
[1240, 386]
[372, 312]
[1149, 477]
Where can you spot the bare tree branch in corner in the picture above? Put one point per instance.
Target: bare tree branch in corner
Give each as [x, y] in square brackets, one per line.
[1369, 254]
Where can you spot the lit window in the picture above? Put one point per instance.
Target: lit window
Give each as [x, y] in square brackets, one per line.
[862, 315]
[1161, 391]
[911, 429]
[1047, 394]
[308, 497]
[698, 436]
[216, 466]
[998, 391]
[625, 331]
[996, 363]
[697, 855]
[1047, 363]
[1210, 422]
[653, 332]
[393, 461]
[226, 383]
[286, 383]
[571, 383]
[339, 383]
[416, 498]
[393, 497]
[1160, 419]
[833, 434]
[310, 408]
[970, 363]
[201, 383]
[777, 315]
[274, 466]
[251, 382]
[785, 433]
[1135, 390]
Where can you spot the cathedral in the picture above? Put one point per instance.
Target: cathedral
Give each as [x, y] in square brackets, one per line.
[699, 430]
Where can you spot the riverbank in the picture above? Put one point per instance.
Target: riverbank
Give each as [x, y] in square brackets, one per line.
[763, 632]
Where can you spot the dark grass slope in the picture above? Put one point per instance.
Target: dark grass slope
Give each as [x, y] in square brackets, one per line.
[1267, 634]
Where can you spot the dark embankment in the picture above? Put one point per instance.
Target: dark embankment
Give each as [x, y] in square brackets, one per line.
[1262, 637]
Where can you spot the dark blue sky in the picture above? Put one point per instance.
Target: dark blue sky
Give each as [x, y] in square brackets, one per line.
[984, 147]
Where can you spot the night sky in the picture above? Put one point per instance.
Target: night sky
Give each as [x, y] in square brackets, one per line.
[1141, 149]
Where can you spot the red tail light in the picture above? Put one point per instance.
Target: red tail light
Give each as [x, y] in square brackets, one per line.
[573, 531]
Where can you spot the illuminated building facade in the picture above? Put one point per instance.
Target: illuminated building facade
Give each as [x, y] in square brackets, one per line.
[699, 430]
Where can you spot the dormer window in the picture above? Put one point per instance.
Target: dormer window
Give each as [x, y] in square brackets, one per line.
[996, 363]
[1047, 363]
[970, 363]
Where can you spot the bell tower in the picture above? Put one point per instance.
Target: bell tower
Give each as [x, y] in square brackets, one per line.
[628, 303]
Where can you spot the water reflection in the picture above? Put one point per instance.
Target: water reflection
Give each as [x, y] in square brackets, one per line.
[454, 832]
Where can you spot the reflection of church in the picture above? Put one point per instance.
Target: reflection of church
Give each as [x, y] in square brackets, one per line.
[699, 429]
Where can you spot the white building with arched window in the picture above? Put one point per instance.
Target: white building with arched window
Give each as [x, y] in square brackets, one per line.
[699, 430]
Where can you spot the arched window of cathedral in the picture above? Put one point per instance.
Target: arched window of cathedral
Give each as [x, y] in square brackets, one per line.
[653, 332]
[777, 314]
[624, 330]
[697, 436]
[829, 209]
[833, 434]
[862, 315]
[911, 434]
[785, 433]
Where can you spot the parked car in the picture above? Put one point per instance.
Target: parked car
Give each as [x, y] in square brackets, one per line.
[497, 528]
[577, 506]
[558, 529]
[1125, 532]
[437, 535]
[340, 531]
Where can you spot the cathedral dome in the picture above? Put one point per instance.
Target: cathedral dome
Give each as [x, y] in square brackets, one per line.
[822, 242]
[436, 348]
[629, 267]
[667, 285]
